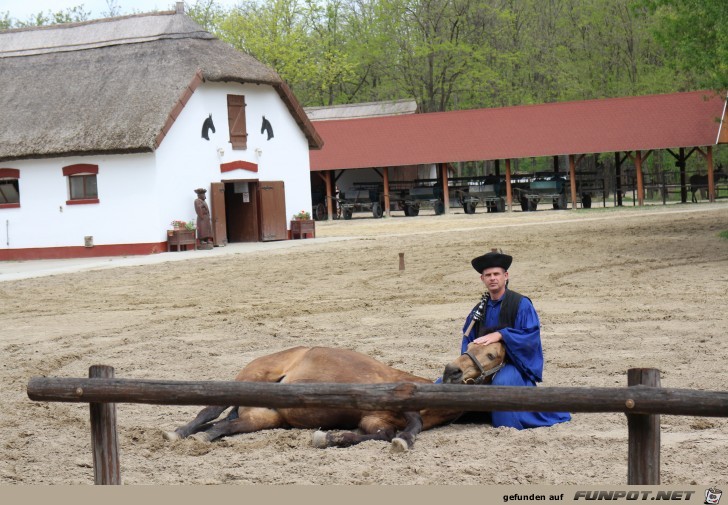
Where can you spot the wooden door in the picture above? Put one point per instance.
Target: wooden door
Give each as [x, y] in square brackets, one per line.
[219, 221]
[272, 210]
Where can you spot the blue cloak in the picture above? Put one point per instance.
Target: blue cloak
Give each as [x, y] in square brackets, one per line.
[524, 362]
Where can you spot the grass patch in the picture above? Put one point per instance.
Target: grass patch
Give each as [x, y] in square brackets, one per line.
[723, 234]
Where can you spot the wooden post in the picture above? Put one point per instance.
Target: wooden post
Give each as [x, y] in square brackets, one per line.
[683, 180]
[104, 442]
[385, 183]
[329, 196]
[401, 261]
[640, 178]
[711, 175]
[445, 190]
[509, 194]
[643, 454]
[572, 180]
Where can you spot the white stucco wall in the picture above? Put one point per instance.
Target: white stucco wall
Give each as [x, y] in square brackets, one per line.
[140, 194]
[126, 211]
[186, 161]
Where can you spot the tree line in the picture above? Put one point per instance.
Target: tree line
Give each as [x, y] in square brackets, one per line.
[464, 54]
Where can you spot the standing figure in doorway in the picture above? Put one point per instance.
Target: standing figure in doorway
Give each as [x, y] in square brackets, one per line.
[204, 223]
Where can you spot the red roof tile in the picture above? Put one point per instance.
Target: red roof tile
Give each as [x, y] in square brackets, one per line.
[591, 126]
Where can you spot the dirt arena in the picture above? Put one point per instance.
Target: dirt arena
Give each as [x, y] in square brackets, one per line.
[615, 289]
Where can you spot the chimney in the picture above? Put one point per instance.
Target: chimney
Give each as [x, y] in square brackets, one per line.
[180, 8]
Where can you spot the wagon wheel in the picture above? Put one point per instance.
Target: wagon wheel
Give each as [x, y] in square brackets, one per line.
[348, 213]
[560, 203]
[469, 207]
[524, 204]
[439, 208]
[586, 201]
[320, 213]
[414, 210]
[377, 210]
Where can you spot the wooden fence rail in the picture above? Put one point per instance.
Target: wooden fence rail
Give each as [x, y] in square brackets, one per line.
[642, 401]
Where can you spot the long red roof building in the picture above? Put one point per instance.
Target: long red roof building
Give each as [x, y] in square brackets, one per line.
[584, 127]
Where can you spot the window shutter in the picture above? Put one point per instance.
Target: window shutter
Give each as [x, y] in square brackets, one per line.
[236, 121]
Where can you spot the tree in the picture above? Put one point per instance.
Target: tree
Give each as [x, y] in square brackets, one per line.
[695, 35]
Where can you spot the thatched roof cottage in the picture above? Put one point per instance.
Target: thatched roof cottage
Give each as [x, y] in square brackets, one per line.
[110, 125]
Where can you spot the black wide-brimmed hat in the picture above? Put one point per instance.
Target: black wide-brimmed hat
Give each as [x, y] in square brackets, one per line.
[492, 260]
[200, 190]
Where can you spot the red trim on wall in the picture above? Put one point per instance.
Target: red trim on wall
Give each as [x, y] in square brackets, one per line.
[80, 168]
[234, 165]
[9, 205]
[9, 173]
[45, 253]
[83, 201]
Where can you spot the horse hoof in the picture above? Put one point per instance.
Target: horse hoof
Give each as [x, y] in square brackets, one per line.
[399, 445]
[201, 437]
[171, 436]
[319, 439]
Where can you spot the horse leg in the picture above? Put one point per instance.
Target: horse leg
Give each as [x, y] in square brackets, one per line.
[373, 426]
[198, 423]
[405, 439]
[249, 419]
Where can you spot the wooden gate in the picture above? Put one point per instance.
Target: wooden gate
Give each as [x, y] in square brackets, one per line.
[272, 210]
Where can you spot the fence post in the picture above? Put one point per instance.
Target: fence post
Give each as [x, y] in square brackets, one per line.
[104, 442]
[643, 458]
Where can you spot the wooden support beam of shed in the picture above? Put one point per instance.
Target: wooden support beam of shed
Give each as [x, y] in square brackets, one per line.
[711, 175]
[572, 179]
[385, 183]
[329, 196]
[509, 194]
[640, 178]
[445, 192]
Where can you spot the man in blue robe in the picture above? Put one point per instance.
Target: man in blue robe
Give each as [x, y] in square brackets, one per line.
[510, 318]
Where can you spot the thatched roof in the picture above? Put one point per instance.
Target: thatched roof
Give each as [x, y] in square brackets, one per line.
[113, 85]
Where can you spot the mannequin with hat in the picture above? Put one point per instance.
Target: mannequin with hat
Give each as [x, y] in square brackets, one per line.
[204, 223]
[509, 317]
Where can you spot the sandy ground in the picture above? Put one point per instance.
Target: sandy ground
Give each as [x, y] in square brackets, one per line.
[615, 289]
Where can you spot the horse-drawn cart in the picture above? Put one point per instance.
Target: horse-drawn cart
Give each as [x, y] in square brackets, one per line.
[360, 200]
[488, 193]
[542, 189]
[425, 196]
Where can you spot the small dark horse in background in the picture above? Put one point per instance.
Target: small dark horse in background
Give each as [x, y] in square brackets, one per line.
[700, 182]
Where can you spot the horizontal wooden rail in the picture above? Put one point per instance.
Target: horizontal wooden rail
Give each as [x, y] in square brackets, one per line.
[401, 396]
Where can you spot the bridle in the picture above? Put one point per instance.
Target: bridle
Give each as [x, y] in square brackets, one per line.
[484, 374]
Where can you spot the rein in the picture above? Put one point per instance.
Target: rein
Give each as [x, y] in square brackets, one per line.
[484, 374]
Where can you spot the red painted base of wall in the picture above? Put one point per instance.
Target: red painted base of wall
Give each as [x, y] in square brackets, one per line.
[47, 253]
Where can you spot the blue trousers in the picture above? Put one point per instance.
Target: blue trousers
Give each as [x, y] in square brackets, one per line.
[510, 376]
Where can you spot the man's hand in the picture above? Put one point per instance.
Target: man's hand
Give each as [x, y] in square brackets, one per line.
[490, 338]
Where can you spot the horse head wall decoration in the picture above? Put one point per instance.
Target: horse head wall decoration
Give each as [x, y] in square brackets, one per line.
[266, 127]
[207, 126]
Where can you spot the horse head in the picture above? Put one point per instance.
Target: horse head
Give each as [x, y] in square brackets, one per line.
[477, 365]
[207, 126]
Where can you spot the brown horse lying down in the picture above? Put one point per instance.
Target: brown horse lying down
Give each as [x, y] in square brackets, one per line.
[322, 364]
